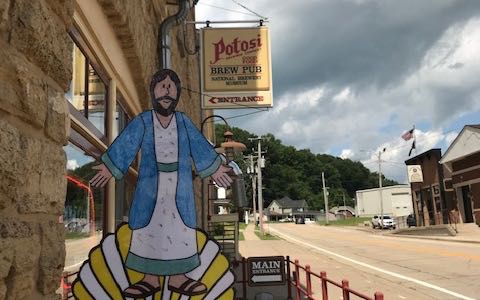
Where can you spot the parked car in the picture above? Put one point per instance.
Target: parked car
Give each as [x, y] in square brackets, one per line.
[299, 220]
[411, 220]
[285, 220]
[388, 222]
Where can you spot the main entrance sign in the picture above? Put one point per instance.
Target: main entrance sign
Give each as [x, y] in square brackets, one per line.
[269, 270]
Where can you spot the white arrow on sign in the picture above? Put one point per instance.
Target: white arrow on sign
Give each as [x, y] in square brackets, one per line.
[266, 278]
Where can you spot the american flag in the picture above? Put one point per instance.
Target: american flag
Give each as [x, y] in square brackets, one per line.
[408, 135]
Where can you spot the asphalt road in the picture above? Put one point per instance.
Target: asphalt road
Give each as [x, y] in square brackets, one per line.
[401, 268]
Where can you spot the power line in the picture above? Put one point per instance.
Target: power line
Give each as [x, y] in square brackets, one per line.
[228, 9]
[248, 9]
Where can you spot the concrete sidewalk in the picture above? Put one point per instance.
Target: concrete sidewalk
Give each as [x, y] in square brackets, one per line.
[466, 233]
[249, 233]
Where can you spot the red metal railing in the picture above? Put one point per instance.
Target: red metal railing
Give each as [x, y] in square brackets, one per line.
[306, 290]
[66, 284]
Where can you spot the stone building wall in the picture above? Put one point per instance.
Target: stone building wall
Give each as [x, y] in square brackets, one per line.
[35, 73]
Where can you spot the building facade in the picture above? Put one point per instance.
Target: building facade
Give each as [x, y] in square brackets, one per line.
[462, 159]
[73, 74]
[433, 198]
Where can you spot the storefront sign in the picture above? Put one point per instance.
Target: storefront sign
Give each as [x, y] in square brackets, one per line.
[415, 173]
[268, 270]
[236, 68]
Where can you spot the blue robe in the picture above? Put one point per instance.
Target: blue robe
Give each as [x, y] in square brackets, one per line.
[192, 146]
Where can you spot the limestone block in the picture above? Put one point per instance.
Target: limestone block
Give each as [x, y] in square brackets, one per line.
[11, 163]
[42, 37]
[45, 185]
[21, 278]
[4, 18]
[33, 96]
[11, 227]
[63, 9]
[57, 113]
[6, 261]
[28, 197]
[9, 94]
[52, 256]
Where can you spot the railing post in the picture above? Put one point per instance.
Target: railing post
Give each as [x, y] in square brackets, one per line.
[309, 282]
[289, 280]
[323, 277]
[297, 280]
[346, 292]
[378, 296]
[244, 280]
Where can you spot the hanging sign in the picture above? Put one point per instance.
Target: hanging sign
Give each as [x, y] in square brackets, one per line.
[415, 173]
[236, 68]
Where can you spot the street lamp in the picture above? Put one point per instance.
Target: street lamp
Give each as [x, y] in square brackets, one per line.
[229, 148]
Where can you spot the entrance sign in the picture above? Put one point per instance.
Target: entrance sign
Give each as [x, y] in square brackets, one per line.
[415, 173]
[236, 68]
[269, 270]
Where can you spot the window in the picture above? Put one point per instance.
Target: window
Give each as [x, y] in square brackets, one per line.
[84, 207]
[88, 92]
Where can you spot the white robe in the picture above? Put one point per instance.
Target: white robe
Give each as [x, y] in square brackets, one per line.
[166, 237]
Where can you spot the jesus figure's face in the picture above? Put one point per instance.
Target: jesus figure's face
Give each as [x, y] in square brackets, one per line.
[165, 97]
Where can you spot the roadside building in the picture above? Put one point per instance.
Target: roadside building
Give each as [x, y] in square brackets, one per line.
[396, 199]
[73, 74]
[462, 158]
[432, 198]
[285, 208]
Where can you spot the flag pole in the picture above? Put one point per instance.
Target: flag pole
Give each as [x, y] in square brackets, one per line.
[415, 140]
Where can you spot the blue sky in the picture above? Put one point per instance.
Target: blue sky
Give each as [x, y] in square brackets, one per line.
[350, 76]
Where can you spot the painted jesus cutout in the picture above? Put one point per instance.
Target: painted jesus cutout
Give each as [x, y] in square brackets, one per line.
[163, 252]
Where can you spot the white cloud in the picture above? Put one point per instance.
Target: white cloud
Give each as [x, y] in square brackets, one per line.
[72, 164]
[343, 96]
[449, 137]
[346, 153]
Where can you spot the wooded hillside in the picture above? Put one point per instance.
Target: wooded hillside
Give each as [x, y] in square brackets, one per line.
[298, 173]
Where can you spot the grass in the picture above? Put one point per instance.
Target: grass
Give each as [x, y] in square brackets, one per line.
[240, 236]
[346, 222]
[266, 235]
[242, 226]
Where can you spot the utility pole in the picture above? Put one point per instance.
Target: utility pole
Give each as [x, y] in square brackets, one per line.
[259, 184]
[380, 185]
[325, 197]
[260, 192]
[254, 185]
[344, 206]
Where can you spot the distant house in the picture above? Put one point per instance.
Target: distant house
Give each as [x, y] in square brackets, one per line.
[286, 208]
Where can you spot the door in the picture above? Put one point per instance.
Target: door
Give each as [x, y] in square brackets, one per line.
[467, 204]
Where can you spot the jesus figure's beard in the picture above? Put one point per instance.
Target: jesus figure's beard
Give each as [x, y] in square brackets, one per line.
[164, 111]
